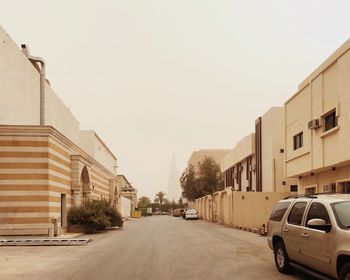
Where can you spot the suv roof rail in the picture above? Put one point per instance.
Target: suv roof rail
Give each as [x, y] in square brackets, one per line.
[300, 196]
[330, 192]
[314, 195]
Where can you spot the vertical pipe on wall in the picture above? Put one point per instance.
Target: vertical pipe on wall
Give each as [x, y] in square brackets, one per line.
[42, 72]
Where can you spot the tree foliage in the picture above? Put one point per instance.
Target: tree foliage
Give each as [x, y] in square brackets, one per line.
[144, 201]
[160, 197]
[205, 180]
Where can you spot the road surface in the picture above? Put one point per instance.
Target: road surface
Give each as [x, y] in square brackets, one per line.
[152, 248]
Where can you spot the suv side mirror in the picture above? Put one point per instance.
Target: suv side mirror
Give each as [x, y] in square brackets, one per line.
[319, 224]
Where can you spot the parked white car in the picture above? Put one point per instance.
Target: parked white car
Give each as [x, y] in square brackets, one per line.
[191, 214]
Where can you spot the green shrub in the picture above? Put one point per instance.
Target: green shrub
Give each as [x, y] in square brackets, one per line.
[95, 215]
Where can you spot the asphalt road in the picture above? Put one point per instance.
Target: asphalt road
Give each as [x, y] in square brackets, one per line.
[157, 248]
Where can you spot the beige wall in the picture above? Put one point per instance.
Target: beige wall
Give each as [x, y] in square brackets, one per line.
[247, 210]
[20, 93]
[19, 85]
[244, 148]
[322, 180]
[126, 207]
[272, 134]
[92, 144]
[327, 88]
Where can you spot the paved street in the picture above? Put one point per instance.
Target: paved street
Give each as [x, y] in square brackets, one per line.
[149, 248]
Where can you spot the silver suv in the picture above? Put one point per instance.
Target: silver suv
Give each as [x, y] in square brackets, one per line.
[312, 233]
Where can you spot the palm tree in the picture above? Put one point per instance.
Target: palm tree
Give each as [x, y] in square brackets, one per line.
[160, 199]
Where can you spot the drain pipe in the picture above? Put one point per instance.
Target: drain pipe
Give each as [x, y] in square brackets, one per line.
[40, 60]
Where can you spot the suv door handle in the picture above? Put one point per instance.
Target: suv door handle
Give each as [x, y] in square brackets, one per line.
[305, 235]
[285, 229]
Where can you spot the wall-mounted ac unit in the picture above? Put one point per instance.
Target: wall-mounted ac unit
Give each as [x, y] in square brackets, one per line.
[313, 124]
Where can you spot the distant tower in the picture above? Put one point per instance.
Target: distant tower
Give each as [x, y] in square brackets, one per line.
[174, 189]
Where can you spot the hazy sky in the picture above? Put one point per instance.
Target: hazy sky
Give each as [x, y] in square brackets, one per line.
[162, 78]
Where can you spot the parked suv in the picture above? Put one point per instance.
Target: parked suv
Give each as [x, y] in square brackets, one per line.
[312, 233]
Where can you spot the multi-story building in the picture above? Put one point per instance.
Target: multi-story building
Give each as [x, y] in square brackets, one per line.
[47, 165]
[238, 165]
[317, 125]
[198, 156]
[256, 162]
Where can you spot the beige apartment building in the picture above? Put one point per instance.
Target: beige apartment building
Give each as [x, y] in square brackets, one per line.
[317, 123]
[256, 162]
[47, 164]
[238, 165]
[198, 156]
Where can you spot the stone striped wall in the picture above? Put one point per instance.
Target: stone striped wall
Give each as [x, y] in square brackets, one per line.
[37, 166]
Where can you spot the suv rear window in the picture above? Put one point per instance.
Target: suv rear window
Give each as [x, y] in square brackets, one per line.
[296, 214]
[279, 211]
[342, 213]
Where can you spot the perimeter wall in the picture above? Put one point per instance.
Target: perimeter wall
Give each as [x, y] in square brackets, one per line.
[248, 210]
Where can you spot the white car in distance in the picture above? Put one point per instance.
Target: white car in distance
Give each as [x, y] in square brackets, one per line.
[191, 214]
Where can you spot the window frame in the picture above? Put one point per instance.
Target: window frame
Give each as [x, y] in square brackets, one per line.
[308, 212]
[298, 141]
[308, 190]
[302, 218]
[334, 122]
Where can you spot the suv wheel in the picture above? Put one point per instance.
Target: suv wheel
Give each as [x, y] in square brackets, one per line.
[345, 272]
[281, 258]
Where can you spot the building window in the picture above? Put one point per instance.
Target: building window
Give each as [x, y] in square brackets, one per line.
[310, 191]
[345, 187]
[330, 120]
[330, 188]
[293, 188]
[298, 141]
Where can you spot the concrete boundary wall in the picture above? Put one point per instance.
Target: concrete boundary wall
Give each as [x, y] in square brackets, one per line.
[248, 210]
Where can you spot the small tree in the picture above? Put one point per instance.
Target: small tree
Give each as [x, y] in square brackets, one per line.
[189, 184]
[206, 180]
[144, 201]
[209, 179]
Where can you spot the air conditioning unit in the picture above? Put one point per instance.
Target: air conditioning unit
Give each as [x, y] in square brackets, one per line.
[234, 176]
[252, 167]
[314, 124]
